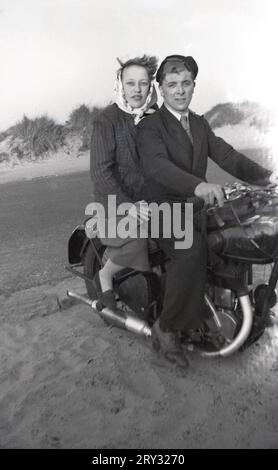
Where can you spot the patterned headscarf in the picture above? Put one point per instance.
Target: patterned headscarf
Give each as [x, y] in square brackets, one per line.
[122, 103]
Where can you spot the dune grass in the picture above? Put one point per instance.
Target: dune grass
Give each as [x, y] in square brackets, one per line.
[81, 119]
[32, 138]
[40, 134]
[234, 113]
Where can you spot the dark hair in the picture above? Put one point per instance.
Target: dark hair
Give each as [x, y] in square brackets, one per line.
[148, 62]
[175, 64]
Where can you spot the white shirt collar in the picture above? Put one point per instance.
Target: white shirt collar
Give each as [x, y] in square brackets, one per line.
[175, 113]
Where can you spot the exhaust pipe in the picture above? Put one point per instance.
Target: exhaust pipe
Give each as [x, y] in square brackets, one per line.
[140, 327]
[118, 319]
[243, 334]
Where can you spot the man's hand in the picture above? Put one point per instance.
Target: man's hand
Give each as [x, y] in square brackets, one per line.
[273, 179]
[209, 193]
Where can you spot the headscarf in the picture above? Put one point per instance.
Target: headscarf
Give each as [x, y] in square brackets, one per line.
[122, 103]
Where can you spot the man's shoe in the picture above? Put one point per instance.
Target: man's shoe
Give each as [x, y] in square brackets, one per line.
[169, 345]
[106, 298]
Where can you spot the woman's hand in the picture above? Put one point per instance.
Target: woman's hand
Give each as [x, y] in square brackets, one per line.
[140, 211]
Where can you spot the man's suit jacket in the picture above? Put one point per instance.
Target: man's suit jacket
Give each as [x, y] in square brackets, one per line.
[173, 168]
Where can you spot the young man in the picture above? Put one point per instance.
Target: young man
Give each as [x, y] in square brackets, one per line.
[174, 145]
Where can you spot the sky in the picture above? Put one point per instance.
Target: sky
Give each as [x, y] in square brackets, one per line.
[58, 54]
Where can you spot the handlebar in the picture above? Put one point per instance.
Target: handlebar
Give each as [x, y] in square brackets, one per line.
[235, 191]
[243, 201]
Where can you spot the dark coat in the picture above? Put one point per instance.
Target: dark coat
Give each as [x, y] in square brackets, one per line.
[115, 170]
[173, 168]
[114, 163]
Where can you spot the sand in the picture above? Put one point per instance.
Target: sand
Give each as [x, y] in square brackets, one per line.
[70, 381]
[56, 164]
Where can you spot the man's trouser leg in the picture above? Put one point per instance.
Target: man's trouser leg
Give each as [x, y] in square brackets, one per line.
[183, 303]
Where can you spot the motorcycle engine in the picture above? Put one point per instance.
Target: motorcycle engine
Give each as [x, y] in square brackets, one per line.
[224, 298]
[224, 321]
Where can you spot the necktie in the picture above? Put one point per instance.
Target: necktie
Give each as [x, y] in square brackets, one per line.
[185, 124]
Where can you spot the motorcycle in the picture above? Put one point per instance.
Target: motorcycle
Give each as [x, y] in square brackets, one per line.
[242, 241]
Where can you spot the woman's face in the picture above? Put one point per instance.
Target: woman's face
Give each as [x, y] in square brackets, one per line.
[136, 85]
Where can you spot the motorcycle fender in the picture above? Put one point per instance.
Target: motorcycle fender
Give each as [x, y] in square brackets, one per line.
[77, 244]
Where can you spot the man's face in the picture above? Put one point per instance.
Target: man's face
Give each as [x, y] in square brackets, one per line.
[136, 85]
[177, 90]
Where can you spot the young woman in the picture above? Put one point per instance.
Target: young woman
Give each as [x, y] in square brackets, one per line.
[115, 168]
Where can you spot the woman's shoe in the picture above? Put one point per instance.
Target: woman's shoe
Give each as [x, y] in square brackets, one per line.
[107, 298]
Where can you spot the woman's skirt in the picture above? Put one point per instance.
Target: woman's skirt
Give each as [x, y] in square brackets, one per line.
[128, 245]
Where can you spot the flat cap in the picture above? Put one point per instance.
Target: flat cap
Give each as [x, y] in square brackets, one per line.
[177, 62]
